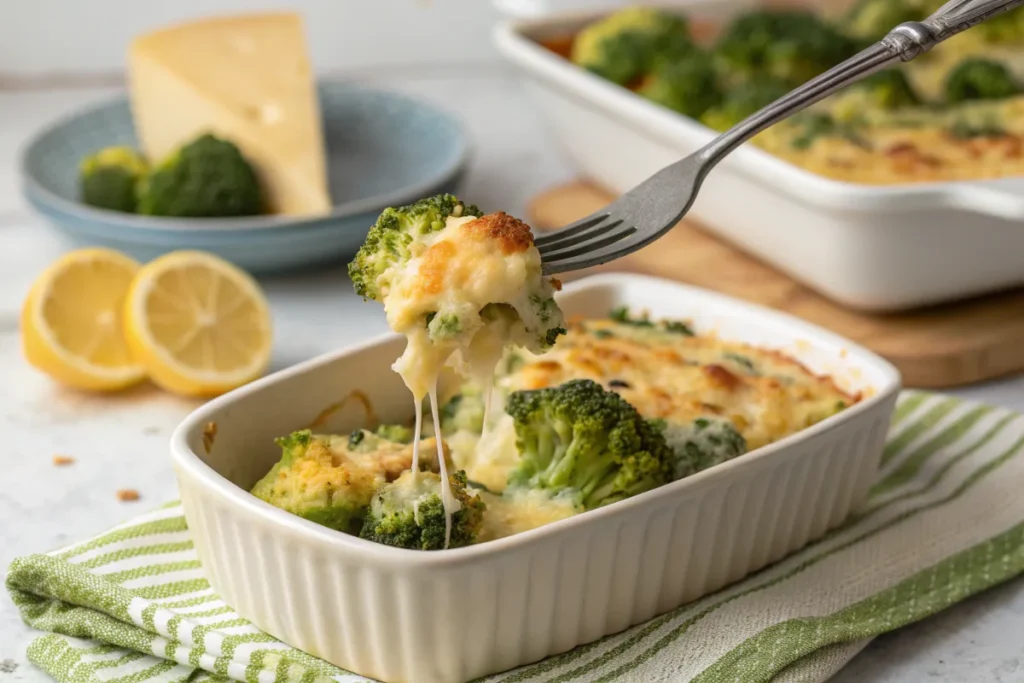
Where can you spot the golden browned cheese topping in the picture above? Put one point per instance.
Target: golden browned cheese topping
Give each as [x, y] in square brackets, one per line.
[324, 468]
[679, 376]
[521, 511]
[511, 234]
[896, 155]
[436, 263]
[390, 458]
[934, 142]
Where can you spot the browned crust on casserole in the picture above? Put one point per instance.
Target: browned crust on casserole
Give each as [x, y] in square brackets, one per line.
[511, 234]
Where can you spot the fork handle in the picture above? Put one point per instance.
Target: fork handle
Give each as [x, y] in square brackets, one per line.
[903, 43]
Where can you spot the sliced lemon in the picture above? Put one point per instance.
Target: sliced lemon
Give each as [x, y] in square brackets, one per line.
[199, 325]
[71, 325]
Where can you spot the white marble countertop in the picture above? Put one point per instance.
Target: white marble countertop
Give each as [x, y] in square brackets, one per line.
[120, 441]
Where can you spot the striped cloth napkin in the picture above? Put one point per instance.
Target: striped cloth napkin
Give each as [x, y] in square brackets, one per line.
[945, 521]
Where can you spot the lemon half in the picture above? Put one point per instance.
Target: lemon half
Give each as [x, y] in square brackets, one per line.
[71, 321]
[199, 325]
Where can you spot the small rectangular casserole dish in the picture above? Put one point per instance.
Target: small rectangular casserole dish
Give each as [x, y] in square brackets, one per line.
[870, 247]
[401, 615]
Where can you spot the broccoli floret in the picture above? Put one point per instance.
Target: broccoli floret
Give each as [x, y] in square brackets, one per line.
[443, 327]
[551, 336]
[980, 79]
[446, 314]
[395, 433]
[387, 242]
[578, 437]
[620, 314]
[409, 513]
[689, 86]
[701, 444]
[365, 441]
[206, 178]
[889, 89]
[742, 101]
[318, 483]
[331, 479]
[1005, 29]
[791, 46]
[631, 43]
[678, 327]
[870, 20]
[109, 178]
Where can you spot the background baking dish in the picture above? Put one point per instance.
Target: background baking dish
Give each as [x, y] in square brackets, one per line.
[869, 247]
[401, 615]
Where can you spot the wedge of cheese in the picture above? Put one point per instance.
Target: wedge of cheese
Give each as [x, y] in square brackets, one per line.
[247, 79]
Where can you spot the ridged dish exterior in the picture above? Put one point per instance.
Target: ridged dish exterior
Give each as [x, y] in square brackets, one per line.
[452, 616]
[879, 248]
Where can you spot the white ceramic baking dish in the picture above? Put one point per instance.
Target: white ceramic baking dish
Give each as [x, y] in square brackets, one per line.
[869, 247]
[401, 615]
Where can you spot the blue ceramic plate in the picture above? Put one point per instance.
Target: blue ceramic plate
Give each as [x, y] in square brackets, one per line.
[383, 149]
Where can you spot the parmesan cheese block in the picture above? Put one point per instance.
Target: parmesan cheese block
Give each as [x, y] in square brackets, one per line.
[247, 79]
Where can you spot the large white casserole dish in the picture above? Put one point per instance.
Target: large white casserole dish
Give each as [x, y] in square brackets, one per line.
[401, 615]
[869, 247]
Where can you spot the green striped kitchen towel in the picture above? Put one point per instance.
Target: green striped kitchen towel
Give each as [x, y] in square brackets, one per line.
[945, 521]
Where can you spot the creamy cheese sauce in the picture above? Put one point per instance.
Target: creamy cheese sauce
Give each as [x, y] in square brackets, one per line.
[665, 370]
[917, 144]
[911, 145]
[665, 374]
[457, 273]
[521, 511]
[447, 300]
[767, 395]
[488, 458]
[414, 490]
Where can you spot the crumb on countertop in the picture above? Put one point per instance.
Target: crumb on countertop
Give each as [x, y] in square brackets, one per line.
[8, 666]
[210, 433]
[62, 460]
[127, 495]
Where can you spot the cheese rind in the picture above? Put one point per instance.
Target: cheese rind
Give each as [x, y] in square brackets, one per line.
[247, 79]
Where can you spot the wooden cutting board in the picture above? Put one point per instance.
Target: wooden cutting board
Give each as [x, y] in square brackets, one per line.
[941, 346]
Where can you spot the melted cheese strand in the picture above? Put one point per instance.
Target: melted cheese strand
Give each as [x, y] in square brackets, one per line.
[447, 499]
[416, 434]
[488, 399]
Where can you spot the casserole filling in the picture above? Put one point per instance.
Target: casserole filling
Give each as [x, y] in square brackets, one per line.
[954, 113]
[546, 419]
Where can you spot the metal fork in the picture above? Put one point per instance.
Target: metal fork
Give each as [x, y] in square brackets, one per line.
[650, 209]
